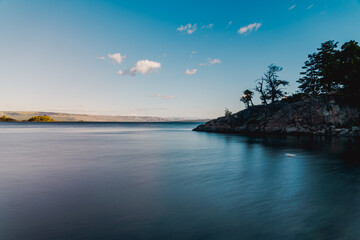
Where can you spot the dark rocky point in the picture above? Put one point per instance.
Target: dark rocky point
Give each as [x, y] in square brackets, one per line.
[316, 115]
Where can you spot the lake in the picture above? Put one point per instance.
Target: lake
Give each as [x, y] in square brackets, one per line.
[163, 181]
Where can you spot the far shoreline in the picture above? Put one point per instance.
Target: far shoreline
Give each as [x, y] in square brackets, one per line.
[55, 122]
[21, 116]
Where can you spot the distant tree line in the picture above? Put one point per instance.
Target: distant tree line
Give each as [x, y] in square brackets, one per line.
[44, 118]
[4, 118]
[328, 71]
[41, 119]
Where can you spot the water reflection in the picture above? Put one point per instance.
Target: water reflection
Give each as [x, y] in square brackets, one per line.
[166, 182]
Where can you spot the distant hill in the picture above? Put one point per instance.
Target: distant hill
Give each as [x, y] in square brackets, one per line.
[67, 117]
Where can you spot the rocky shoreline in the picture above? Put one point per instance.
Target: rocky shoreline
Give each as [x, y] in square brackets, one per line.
[317, 115]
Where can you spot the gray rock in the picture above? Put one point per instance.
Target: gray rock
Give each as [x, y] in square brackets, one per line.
[313, 115]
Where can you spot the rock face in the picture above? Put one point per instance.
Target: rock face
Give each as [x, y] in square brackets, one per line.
[320, 115]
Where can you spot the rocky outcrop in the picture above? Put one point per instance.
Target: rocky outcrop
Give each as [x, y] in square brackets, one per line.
[320, 115]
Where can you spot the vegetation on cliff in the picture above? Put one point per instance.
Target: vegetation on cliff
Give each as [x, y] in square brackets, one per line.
[327, 71]
[327, 101]
[332, 70]
[41, 119]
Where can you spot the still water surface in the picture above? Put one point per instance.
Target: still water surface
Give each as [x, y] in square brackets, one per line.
[91, 181]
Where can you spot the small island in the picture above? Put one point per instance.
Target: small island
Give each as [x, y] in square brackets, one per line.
[41, 119]
[327, 102]
[3, 118]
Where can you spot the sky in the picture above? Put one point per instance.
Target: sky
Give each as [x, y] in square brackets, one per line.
[157, 58]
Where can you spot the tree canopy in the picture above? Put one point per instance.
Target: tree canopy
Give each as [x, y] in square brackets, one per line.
[332, 70]
[246, 98]
[3, 118]
[227, 112]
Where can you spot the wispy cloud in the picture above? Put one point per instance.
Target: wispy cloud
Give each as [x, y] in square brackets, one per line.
[193, 53]
[211, 61]
[292, 7]
[209, 26]
[310, 6]
[101, 58]
[116, 57]
[188, 28]
[249, 28]
[190, 71]
[143, 67]
[165, 97]
[229, 24]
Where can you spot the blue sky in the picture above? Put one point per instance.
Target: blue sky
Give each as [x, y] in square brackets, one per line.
[157, 58]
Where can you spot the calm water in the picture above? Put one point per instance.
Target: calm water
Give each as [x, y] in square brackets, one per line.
[162, 181]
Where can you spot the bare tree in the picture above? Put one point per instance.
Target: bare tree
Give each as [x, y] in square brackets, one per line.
[273, 83]
[261, 89]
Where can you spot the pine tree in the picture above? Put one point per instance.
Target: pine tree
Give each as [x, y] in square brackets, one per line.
[321, 70]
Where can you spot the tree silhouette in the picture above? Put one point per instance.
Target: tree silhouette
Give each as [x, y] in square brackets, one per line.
[332, 70]
[261, 88]
[246, 98]
[349, 67]
[227, 112]
[321, 69]
[273, 88]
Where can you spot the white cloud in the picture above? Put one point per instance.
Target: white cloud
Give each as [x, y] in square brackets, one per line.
[163, 96]
[292, 7]
[209, 26]
[211, 62]
[190, 71]
[116, 57]
[249, 28]
[101, 58]
[143, 67]
[188, 28]
[310, 6]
